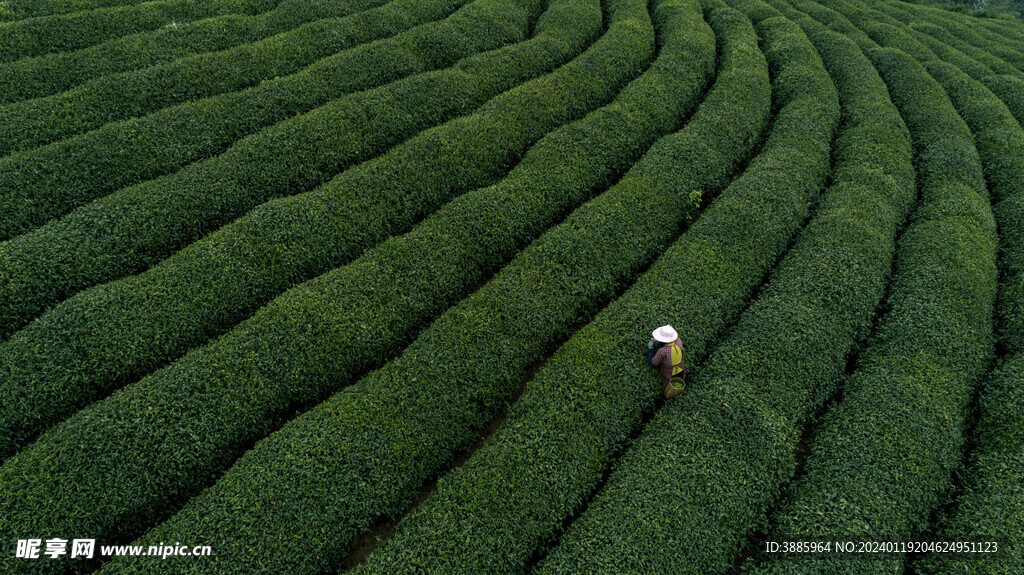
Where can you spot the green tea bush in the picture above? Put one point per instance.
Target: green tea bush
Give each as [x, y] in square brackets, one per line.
[991, 506]
[463, 367]
[834, 20]
[64, 32]
[132, 94]
[701, 477]
[486, 518]
[52, 73]
[882, 458]
[46, 182]
[1000, 142]
[1010, 90]
[138, 226]
[22, 9]
[973, 35]
[222, 397]
[123, 330]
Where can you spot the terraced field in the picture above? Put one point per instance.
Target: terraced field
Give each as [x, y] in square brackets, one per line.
[365, 285]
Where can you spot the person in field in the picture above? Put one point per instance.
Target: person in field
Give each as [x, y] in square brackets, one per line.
[665, 353]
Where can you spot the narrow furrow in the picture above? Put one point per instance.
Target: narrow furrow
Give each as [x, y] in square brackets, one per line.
[49, 74]
[38, 122]
[139, 226]
[223, 397]
[64, 32]
[461, 379]
[118, 332]
[496, 527]
[882, 458]
[991, 505]
[47, 182]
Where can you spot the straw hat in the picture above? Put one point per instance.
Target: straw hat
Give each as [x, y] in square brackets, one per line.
[665, 334]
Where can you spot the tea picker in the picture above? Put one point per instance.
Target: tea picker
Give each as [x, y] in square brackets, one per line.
[665, 353]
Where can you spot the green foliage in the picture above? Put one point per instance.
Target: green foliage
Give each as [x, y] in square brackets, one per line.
[460, 378]
[133, 94]
[699, 480]
[22, 9]
[138, 226]
[991, 506]
[51, 73]
[1000, 142]
[50, 181]
[882, 458]
[120, 331]
[63, 32]
[294, 350]
[970, 34]
[491, 514]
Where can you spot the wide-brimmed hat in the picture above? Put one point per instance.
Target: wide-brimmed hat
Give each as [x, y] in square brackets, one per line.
[665, 334]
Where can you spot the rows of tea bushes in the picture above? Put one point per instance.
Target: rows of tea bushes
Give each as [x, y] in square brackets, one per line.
[155, 443]
[704, 473]
[828, 17]
[132, 94]
[991, 505]
[51, 73]
[63, 32]
[1000, 142]
[975, 36]
[882, 458]
[994, 63]
[138, 226]
[22, 9]
[500, 508]
[120, 331]
[467, 364]
[461, 377]
[47, 182]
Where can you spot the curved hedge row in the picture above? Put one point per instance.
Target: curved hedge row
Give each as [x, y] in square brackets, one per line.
[138, 226]
[1010, 90]
[700, 479]
[460, 379]
[947, 53]
[1000, 142]
[882, 457]
[158, 441]
[63, 32]
[935, 28]
[499, 531]
[997, 48]
[47, 182]
[51, 73]
[22, 9]
[830, 18]
[118, 332]
[992, 505]
[113, 98]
